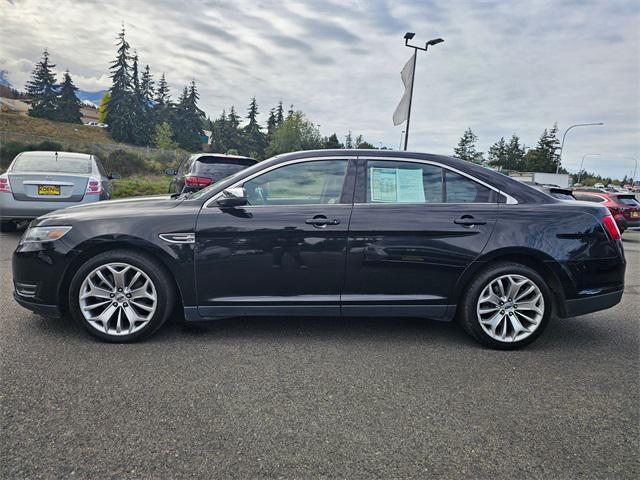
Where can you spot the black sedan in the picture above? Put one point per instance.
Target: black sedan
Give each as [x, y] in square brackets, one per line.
[333, 232]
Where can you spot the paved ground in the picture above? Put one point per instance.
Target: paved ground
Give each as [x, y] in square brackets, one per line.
[320, 398]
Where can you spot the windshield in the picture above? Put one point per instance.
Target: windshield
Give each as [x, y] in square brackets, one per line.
[628, 200]
[51, 163]
[562, 195]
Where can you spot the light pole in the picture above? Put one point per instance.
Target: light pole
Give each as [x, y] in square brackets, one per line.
[582, 163]
[565, 134]
[408, 36]
[635, 169]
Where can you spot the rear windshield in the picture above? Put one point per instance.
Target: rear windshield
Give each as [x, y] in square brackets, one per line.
[59, 164]
[561, 194]
[628, 200]
[220, 168]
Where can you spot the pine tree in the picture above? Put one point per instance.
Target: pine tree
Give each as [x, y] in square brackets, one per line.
[254, 140]
[188, 119]
[147, 119]
[498, 154]
[162, 92]
[119, 112]
[219, 138]
[233, 133]
[348, 140]
[545, 157]
[515, 153]
[291, 111]
[68, 108]
[332, 142]
[42, 90]
[272, 123]
[466, 149]
[162, 107]
[279, 114]
[140, 132]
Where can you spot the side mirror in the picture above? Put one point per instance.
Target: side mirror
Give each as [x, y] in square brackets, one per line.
[170, 171]
[114, 176]
[233, 197]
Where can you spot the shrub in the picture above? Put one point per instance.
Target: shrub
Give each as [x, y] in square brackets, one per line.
[9, 150]
[125, 163]
[140, 185]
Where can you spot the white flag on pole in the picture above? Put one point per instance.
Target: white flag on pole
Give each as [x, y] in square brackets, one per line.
[402, 110]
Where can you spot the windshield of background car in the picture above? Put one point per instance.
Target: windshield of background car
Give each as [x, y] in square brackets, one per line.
[220, 168]
[628, 200]
[51, 164]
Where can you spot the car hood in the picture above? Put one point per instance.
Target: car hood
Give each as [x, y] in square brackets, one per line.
[126, 207]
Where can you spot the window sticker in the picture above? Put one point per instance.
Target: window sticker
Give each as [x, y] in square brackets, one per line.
[396, 185]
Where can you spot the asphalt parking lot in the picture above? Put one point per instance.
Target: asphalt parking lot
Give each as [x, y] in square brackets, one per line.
[320, 398]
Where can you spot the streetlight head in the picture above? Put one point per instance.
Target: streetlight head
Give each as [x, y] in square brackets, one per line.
[435, 41]
[409, 35]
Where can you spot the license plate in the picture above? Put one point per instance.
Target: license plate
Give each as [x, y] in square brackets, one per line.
[635, 214]
[48, 189]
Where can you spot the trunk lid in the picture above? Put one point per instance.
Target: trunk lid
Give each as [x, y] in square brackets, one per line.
[54, 187]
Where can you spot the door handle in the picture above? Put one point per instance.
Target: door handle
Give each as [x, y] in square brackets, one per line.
[468, 221]
[321, 221]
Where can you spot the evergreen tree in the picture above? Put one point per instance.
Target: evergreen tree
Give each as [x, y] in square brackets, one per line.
[188, 120]
[498, 154]
[545, 157]
[147, 120]
[42, 90]
[219, 138]
[332, 142]
[291, 111]
[162, 107]
[68, 108]
[254, 140]
[141, 132]
[348, 140]
[119, 116]
[162, 92]
[279, 114]
[272, 123]
[146, 87]
[514, 153]
[466, 149]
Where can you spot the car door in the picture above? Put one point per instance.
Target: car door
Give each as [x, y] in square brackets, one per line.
[415, 227]
[284, 252]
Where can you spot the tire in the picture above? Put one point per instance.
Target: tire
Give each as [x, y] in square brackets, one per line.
[98, 280]
[508, 318]
[7, 226]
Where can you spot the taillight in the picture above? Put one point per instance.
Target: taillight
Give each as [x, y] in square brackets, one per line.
[5, 186]
[94, 187]
[193, 181]
[611, 226]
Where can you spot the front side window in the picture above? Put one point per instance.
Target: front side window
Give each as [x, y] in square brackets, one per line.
[306, 183]
[411, 182]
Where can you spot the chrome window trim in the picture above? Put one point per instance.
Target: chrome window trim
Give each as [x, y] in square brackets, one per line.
[510, 199]
[242, 181]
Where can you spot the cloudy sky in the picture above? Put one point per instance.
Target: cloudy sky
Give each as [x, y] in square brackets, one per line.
[505, 66]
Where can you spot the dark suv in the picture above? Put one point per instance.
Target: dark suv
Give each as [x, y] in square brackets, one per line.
[203, 169]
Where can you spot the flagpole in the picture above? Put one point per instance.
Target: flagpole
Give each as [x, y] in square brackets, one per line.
[408, 36]
[413, 76]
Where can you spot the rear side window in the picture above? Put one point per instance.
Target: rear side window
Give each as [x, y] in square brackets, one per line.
[460, 189]
[411, 182]
[589, 198]
[629, 200]
[219, 168]
[52, 164]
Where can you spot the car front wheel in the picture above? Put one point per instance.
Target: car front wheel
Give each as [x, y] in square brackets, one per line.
[506, 306]
[121, 296]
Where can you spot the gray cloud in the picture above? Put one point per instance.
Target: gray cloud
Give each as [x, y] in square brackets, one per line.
[503, 68]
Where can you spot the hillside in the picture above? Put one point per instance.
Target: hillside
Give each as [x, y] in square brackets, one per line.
[22, 125]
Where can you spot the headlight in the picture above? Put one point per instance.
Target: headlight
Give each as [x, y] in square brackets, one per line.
[44, 234]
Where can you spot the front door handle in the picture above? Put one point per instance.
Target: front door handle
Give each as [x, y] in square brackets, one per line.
[469, 221]
[321, 221]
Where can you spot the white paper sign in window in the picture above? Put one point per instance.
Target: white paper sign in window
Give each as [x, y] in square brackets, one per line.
[396, 185]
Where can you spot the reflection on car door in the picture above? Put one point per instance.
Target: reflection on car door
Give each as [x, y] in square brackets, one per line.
[414, 228]
[285, 251]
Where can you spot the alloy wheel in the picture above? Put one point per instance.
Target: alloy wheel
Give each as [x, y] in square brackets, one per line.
[510, 308]
[118, 299]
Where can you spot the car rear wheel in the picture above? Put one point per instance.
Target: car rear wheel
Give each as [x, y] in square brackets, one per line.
[506, 306]
[121, 296]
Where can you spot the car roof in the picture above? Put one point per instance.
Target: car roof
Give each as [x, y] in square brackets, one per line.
[222, 155]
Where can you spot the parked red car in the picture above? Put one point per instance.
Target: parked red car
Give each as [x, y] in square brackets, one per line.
[623, 206]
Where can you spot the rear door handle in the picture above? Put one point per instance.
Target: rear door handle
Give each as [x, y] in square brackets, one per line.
[321, 221]
[468, 221]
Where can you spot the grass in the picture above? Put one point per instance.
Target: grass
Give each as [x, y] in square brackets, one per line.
[40, 127]
[139, 185]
